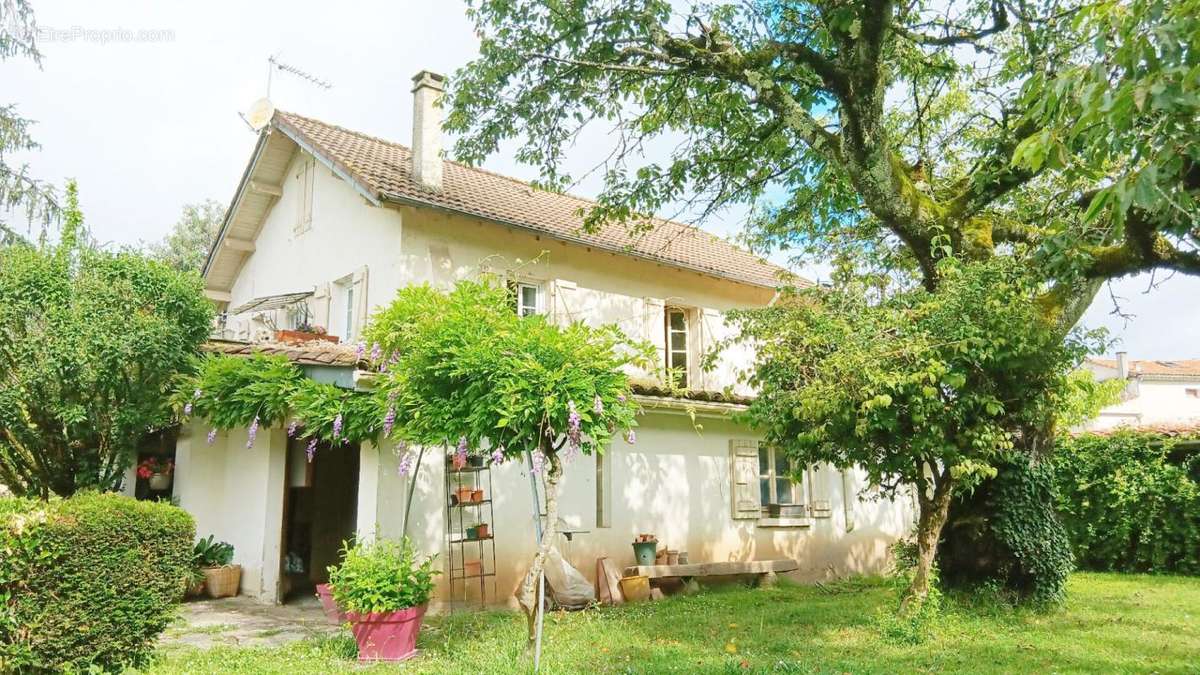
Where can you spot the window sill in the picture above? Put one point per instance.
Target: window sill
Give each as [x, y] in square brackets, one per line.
[785, 522]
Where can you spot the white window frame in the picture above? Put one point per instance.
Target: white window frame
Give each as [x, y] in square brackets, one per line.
[683, 374]
[348, 298]
[523, 309]
[772, 477]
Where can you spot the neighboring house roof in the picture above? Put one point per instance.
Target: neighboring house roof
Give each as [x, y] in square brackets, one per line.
[1187, 369]
[380, 170]
[1168, 429]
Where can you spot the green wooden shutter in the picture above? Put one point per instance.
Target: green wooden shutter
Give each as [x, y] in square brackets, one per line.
[743, 471]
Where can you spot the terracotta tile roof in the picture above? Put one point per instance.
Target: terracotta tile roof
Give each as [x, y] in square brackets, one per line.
[316, 353]
[384, 169]
[1171, 429]
[322, 353]
[1184, 368]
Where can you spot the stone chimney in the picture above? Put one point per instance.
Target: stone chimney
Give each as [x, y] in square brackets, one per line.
[427, 129]
[1123, 365]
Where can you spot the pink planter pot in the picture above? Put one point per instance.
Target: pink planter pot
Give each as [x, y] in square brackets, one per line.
[333, 613]
[387, 636]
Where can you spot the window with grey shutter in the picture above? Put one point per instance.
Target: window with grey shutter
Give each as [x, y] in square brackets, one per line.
[743, 470]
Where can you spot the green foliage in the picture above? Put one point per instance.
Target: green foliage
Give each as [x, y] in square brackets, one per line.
[1131, 501]
[186, 247]
[88, 582]
[915, 382]
[89, 342]
[381, 576]
[211, 553]
[232, 392]
[1025, 523]
[463, 365]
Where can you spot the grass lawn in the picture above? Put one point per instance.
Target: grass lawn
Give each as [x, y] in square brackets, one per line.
[1111, 624]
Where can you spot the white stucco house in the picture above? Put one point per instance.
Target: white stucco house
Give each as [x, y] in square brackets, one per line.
[1158, 394]
[327, 224]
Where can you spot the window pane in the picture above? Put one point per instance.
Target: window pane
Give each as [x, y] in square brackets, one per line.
[764, 488]
[678, 321]
[783, 489]
[529, 296]
[764, 461]
[783, 465]
[679, 341]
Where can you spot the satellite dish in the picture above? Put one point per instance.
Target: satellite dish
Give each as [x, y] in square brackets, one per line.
[260, 113]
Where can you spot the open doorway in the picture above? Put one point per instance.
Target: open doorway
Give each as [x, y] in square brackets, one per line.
[320, 512]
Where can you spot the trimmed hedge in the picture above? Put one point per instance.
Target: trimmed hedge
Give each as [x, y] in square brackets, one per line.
[90, 581]
[1131, 501]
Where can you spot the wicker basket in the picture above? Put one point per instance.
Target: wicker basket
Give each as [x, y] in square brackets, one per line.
[222, 582]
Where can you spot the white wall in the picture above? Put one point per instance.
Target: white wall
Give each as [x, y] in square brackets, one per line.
[402, 246]
[236, 494]
[1151, 401]
[675, 482]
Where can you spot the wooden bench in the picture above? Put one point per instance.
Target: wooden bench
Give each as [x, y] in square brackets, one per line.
[765, 569]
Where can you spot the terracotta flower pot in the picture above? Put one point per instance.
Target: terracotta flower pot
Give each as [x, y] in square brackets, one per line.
[473, 568]
[333, 613]
[387, 636]
[477, 495]
[302, 336]
[464, 495]
[481, 531]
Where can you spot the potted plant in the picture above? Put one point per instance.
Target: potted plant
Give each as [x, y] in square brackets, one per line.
[384, 590]
[464, 491]
[304, 330]
[157, 472]
[215, 561]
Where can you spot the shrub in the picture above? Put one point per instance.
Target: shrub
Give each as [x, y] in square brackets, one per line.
[90, 581]
[381, 576]
[1131, 501]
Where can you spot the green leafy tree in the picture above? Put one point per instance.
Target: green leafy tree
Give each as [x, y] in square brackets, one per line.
[187, 246]
[881, 136]
[89, 342]
[921, 389]
[19, 190]
[464, 371]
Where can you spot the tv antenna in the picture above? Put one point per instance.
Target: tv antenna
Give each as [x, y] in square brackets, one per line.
[274, 64]
[262, 110]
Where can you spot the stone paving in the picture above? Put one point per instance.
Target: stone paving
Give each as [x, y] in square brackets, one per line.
[245, 622]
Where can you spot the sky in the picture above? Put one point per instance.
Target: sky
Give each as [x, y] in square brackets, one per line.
[139, 102]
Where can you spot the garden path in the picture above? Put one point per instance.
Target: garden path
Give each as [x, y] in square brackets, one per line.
[245, 622]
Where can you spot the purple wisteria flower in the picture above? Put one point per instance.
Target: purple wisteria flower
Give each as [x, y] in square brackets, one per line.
[574, 428]
[376, 352]
[460, 453]
[620, 398]
[389, 420]
[212, 436]
[359, 350]
[187, 409]
[631, 437]
[311, 450]
[292, 428]
[337, 426]
[405, 466]
[498, 455]
[252, 434]
[196, 394]
[539, 461]
[598, 405]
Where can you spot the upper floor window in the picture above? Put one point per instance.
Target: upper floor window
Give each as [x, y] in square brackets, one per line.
[305, 177]
[677, 345]
[527, 297]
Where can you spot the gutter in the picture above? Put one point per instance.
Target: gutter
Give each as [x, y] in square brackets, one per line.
[683, 406]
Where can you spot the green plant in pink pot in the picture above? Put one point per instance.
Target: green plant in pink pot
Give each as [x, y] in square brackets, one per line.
[384, 590]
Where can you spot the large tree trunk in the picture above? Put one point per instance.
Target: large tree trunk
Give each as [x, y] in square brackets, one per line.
[527, 595]
[934, 509]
